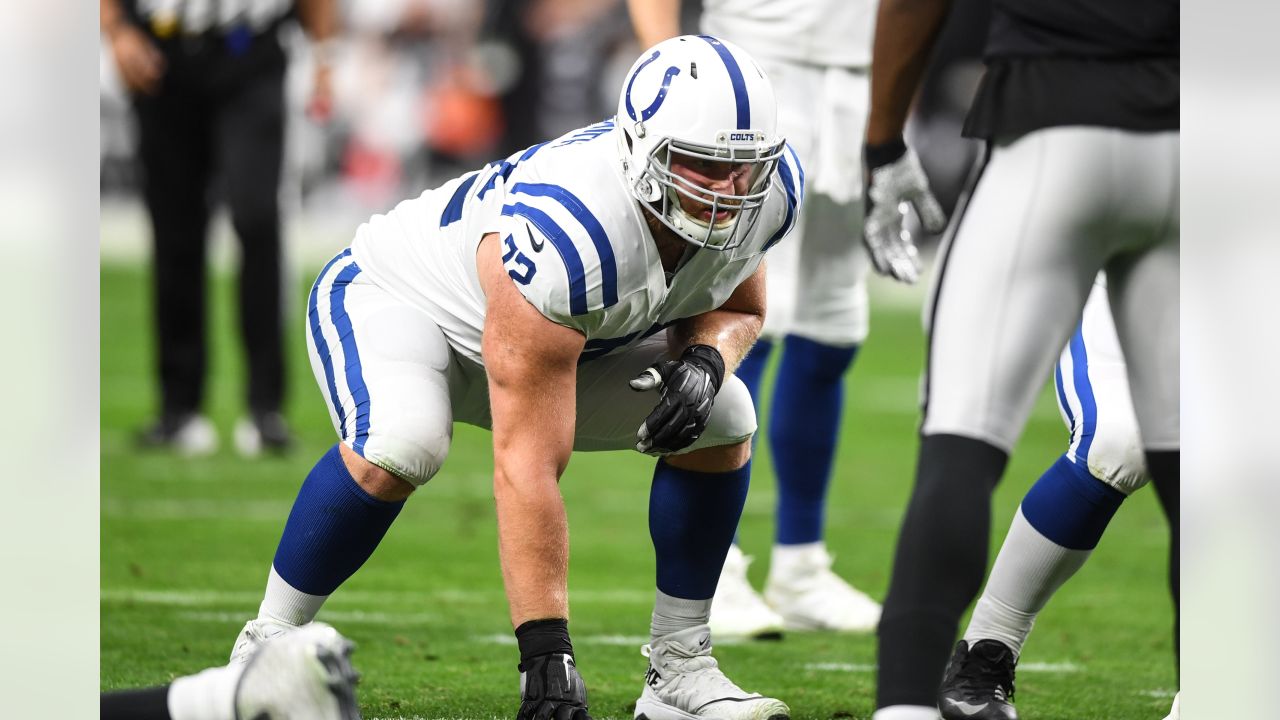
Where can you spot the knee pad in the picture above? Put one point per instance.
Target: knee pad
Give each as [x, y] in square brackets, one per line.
[733, 416]
[1117, 460]
[411, 451]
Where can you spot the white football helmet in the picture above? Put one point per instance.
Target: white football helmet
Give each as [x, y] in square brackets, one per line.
[698, 98]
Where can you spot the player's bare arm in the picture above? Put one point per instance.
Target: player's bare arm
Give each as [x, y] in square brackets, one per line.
[731, 328]
[532, 369]
[654, 20]
[905, 33]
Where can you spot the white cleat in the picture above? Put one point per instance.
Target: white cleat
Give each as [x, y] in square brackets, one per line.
[1173, 711]
[301, 675]
[809, 596]
[255, 633]
[188, 434]
[738, 611]
[684, 683]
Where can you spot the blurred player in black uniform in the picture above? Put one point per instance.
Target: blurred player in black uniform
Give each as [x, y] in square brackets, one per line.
[1079, 109]
[207, 85]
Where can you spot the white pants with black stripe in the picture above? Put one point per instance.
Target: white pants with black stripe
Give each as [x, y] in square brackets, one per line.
[1050, 211]
[1092, 386]
[394, 386]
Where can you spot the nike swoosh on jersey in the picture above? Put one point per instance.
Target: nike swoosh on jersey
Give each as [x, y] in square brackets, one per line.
[967, 708]
[537, 246]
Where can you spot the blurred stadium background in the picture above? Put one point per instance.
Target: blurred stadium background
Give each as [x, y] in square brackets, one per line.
[424, 90]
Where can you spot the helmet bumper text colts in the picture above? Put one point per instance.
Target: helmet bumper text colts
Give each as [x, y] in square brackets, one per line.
[696, 101]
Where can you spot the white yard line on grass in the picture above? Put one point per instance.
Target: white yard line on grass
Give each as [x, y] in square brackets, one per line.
[613, 640]
[210, 597]
[1035, 667]
[195, 509]
[339, 617]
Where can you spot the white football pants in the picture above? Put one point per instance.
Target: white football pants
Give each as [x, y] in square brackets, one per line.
[394, 386]
[816, 281]
[1051, 209]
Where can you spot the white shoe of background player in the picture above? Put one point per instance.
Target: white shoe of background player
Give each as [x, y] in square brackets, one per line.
[1173, 711]
[809, 596]
[738, 611]
[684, 682]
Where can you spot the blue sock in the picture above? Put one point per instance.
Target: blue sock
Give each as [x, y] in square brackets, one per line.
[692, 519]
[1070, 506]
[751, 370]
[333, 528]
[804, 424]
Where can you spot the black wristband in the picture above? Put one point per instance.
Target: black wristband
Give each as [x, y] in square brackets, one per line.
[543, 637]
[707, 358]
[883, 153]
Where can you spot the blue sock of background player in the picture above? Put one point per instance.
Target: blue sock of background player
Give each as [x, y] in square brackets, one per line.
[804, 426]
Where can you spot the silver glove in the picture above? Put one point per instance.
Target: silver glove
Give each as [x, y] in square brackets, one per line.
[893, 189]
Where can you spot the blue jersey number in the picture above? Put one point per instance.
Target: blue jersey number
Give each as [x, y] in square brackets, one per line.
[526, 267]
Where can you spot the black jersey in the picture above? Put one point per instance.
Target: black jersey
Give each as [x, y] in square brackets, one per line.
[1111, 63]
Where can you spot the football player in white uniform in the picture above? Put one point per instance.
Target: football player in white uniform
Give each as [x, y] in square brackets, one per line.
[594, 292]
[817, 53]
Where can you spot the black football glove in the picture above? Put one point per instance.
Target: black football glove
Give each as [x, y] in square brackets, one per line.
[689, 386]
[552, 689]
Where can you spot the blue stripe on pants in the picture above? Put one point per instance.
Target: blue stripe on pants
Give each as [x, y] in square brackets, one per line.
[351, 356]
[322, 346]
[1084, 390]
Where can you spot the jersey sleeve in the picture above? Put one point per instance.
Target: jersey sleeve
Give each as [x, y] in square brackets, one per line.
[548, 264]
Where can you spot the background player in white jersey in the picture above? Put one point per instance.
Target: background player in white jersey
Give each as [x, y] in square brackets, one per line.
[817, 53]
[531, 296]
[1079, 109]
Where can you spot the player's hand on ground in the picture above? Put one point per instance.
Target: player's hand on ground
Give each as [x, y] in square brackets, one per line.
[689, 386]
[140, 63]
[552, 689]
[895, 182]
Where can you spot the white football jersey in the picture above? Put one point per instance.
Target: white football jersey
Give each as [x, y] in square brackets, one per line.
[574, 241]
[818, 32]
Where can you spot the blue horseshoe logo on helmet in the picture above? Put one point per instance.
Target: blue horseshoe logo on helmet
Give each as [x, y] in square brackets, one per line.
[648, 112]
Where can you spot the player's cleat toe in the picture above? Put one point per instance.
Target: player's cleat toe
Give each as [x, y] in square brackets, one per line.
[809, 596]
[738, 611]
[685, 683]
[301, 675]
[1174, 713]
[978, 683]
[190, 434]
[255, 633]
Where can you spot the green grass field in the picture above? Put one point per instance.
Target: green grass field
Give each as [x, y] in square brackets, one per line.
[186, 545]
